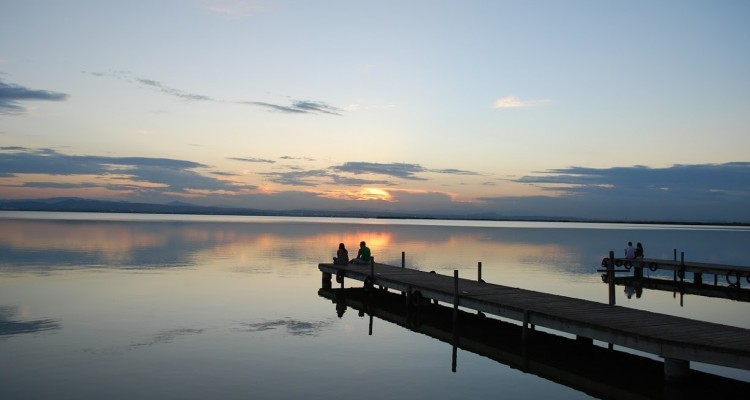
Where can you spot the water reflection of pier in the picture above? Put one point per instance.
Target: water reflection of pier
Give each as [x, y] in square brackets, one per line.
[682, 288]
[592, 369]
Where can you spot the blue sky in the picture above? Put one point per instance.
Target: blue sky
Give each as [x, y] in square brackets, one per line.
[631, 109]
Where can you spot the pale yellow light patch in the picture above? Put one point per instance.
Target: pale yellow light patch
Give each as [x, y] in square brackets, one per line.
[358, 195]
[375, 194]
[515, 102]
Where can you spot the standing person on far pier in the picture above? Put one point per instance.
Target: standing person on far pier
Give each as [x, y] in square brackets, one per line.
[639, 251]
[363, 255]
[630, 251]
[342, 255]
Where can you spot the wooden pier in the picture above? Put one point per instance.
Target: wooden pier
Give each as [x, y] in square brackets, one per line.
[687, 277]
[734, 275]
[589, 369]
[677, 340]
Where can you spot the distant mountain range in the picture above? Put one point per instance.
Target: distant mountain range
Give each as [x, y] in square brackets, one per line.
[75, 204]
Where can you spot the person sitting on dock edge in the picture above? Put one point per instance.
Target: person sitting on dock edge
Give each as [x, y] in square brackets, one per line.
[342, 255]
[363, 255]
[630, 251]
[639, 251]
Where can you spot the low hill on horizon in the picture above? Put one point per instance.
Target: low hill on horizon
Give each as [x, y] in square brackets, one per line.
[75, 204]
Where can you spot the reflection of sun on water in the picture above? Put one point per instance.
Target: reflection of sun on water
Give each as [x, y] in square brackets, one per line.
[375, 240]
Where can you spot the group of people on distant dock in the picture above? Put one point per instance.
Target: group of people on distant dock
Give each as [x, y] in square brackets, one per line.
[363, 255]
[634, 252]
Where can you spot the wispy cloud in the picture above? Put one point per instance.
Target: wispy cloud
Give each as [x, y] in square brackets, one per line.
[301, 177]
[152, 85]
[453, 171]
[294, 107]
[298, 178]
[298, 107]
[11, 95]
[252, 160]
[172, 91]
[297, 158]
[398, 170]
[515, 102]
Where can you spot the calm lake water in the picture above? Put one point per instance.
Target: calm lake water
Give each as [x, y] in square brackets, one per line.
[124, 306]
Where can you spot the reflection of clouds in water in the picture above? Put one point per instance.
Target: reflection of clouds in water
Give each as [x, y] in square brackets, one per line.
[166, 337]
[9, 326]
[162, 337]
[293, 327]
[108, 244]
[261, 247]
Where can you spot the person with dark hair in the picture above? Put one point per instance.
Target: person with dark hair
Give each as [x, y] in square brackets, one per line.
[639, 251]
[342, 255]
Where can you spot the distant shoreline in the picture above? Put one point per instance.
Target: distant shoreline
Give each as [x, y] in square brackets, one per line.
[176, 208]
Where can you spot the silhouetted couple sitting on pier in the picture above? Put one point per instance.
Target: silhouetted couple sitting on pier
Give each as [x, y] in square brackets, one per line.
[363, 255]
[634, 252]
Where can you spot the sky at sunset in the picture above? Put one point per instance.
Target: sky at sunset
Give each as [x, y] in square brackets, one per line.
[586, 109]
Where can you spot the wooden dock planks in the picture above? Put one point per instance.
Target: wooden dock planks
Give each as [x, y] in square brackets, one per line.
[664, 335]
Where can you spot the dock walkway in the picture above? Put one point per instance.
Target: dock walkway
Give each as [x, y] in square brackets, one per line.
[677, 340]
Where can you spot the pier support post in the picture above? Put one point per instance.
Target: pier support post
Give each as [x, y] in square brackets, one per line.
[676, 370]
[454, 355]
[584, 341]
[527, 326]
[638, 270]
[408, 296]
[611, 277]
[327, 280]
[479, 272]
[455, 296]
[681, 272]
[403, 259]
